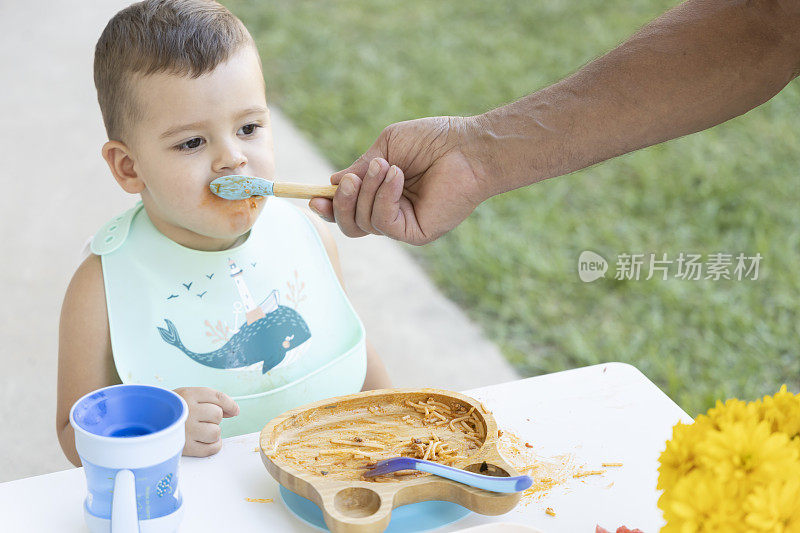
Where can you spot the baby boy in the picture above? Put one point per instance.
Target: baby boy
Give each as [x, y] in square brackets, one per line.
[235, 305]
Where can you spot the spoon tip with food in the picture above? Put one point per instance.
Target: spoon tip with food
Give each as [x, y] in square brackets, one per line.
[240, 187]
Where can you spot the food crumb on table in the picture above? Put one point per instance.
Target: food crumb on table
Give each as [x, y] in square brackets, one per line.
[608, 465]
[547, 473]
[589, 473]
[258, 500]
[550, 511]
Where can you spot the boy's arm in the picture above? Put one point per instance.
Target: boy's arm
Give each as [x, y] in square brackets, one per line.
[377, 377]
[85, 362]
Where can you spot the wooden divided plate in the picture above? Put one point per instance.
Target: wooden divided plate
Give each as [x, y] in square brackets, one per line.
[320, 451]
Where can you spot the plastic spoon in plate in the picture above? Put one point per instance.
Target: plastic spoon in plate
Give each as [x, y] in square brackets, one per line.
[490, 483]
[238, 187]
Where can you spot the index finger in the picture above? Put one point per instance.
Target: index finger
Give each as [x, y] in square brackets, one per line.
[229, 407]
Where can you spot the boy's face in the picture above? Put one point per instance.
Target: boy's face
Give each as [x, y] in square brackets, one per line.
[193, 131]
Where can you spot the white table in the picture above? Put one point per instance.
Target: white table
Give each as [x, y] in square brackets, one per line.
[602, 413]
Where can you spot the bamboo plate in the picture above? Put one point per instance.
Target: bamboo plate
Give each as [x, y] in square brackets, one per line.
[356, 506]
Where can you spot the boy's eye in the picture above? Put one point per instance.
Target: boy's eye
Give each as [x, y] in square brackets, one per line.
[249, 129]
[191, 144]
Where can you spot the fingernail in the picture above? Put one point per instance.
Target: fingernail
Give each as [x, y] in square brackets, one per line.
[374, 167]
[391, 174]
[314, 209]
[347, 188]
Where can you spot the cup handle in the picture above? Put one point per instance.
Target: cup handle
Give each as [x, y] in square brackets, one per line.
[124, 517]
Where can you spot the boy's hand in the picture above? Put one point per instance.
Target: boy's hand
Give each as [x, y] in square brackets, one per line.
[207, 408]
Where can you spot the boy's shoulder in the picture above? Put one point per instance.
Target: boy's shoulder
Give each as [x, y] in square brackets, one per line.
[88, 271]
[85, 295]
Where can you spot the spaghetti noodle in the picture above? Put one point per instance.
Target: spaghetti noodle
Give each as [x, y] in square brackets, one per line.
[345, 443]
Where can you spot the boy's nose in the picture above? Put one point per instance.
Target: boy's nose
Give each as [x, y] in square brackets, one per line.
[230, 160]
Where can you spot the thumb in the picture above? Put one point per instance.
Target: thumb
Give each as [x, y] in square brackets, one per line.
[360, 165]
[359, 168]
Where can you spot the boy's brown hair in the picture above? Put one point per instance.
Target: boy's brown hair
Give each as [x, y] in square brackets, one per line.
[183, 37]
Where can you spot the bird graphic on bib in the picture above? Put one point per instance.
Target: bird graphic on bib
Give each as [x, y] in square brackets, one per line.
[270, 332]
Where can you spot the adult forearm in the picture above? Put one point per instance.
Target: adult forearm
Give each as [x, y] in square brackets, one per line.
[698, 65]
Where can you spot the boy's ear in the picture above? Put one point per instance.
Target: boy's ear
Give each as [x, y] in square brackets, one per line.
[120, 162]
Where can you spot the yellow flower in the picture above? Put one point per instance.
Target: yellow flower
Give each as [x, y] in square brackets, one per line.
[747, 453]
[782, 411]
[680, 455]
[736, 469]
[732, 411]
[700, 503]
[775, 507]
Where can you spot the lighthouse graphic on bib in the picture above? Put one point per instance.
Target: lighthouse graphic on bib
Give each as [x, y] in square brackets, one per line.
[270, 331]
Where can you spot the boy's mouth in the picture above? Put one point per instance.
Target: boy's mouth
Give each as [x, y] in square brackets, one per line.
[252, 202]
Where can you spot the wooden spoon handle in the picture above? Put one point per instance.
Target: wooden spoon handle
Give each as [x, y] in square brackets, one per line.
[303, 190]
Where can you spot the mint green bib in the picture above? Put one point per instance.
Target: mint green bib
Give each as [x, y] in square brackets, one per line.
[266, 322]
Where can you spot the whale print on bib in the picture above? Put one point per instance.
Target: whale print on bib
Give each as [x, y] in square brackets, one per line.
[269, 332]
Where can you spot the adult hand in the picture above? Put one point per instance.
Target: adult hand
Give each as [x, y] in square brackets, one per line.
[207, 408]
[418, 181]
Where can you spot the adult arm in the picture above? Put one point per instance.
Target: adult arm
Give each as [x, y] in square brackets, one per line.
[698, 65]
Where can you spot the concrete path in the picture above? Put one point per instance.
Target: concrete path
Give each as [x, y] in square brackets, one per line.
[57, 192]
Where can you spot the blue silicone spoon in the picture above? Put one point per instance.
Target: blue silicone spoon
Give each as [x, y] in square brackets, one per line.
[237, 187]
[490, 483]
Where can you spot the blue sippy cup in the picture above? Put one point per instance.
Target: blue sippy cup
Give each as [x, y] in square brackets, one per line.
[130, 439]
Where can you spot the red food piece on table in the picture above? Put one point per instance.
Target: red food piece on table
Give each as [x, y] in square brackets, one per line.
[621, 529]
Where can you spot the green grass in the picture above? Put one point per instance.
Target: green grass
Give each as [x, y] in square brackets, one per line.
[344, 70]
